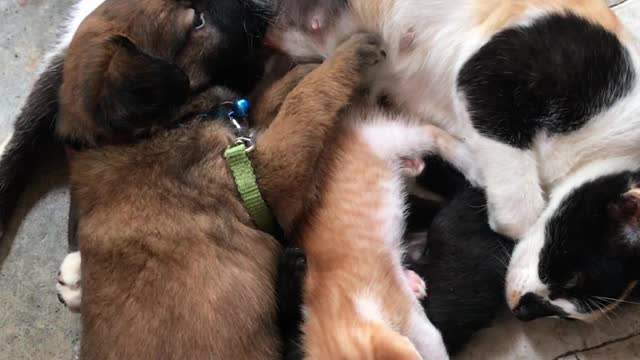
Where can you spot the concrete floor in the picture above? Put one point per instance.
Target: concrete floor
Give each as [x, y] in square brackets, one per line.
[33, 325]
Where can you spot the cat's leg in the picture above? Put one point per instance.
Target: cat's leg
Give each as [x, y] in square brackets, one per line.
[287, 154]
[514, 196]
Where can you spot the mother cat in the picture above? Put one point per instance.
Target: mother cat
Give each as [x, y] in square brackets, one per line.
[546, 94]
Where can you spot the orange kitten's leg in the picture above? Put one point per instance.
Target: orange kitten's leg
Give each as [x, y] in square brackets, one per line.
[397, 140]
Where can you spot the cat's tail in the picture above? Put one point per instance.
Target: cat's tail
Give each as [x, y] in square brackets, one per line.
[33, 131]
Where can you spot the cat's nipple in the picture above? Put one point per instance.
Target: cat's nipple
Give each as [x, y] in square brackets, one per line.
[315, 24]
[408, 41]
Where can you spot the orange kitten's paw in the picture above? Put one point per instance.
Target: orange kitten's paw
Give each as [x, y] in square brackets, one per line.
[412, 167]
[417, 285]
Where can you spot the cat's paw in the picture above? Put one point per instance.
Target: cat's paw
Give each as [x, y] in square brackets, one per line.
[416, 283]
[68, 282]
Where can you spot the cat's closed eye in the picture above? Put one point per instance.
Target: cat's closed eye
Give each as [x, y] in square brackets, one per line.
[574, 281]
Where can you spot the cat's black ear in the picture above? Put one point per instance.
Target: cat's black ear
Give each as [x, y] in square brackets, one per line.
[626, 209]
[138, 89]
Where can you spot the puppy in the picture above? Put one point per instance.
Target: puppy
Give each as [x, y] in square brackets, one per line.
[173, 266]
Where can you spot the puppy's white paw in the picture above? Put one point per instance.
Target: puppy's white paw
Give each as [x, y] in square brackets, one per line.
[68, 282]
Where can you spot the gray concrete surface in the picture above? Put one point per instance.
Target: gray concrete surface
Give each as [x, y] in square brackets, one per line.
[33, 325]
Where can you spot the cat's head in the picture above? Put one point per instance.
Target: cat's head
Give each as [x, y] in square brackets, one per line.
[582, 257]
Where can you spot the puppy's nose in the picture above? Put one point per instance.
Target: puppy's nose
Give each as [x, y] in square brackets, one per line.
[533, 307]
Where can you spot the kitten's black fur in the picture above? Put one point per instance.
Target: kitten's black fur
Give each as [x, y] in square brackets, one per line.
[464, 267]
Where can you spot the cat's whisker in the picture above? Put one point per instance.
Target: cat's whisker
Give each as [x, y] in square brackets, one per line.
[604, 298]
[599, 307]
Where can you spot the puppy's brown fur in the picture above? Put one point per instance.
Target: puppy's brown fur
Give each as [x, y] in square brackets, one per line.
[173, 267]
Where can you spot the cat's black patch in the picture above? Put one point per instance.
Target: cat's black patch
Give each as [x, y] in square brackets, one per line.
[464, 268]
[33, 132]
[552, 75]
[586, 251]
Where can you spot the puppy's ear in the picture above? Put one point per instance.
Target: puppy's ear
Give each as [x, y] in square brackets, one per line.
[138, 90]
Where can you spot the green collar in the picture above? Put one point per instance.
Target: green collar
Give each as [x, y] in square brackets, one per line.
[243, 173]
[245, 179]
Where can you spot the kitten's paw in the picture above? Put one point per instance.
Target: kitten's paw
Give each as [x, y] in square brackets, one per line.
[417, 285]
[68, 282]
[412, 167]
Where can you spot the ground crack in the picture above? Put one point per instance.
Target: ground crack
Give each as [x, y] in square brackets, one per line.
[599, 346]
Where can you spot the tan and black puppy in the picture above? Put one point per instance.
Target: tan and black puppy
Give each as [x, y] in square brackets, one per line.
[173, 267]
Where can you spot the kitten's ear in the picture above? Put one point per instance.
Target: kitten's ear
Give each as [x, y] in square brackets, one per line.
[626, 209]
[138, 89]
[389, 345]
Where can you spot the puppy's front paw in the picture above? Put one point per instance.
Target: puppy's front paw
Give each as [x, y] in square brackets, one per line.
[370, 49]
[363, 50]
[68, 282]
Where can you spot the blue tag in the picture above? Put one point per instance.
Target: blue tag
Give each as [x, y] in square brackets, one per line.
[241, 109]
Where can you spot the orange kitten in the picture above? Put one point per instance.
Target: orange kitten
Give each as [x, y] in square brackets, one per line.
[358, 299]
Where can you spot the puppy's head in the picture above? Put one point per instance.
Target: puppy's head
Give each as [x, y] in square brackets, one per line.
[133, 64]
[582, 257]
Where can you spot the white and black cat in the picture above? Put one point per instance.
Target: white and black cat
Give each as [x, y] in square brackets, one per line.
[546, 94]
